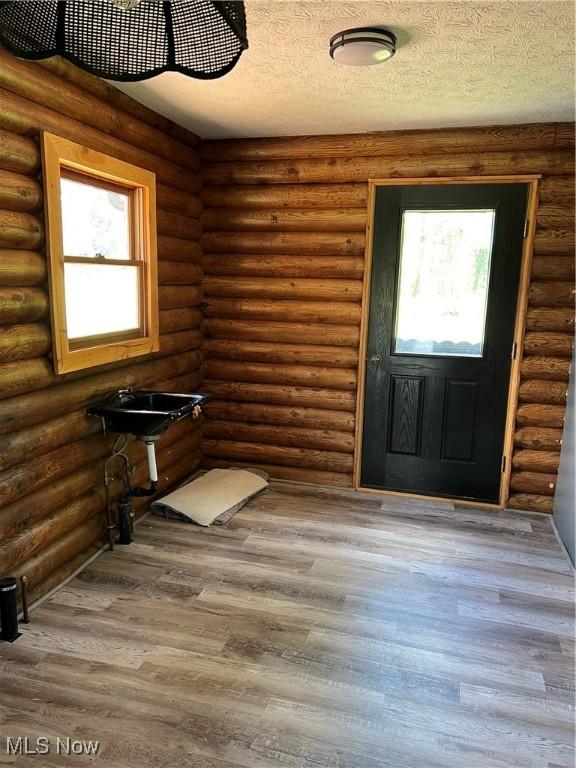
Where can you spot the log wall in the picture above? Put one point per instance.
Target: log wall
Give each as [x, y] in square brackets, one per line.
[52, 502]
[284, 244]
[280, 304]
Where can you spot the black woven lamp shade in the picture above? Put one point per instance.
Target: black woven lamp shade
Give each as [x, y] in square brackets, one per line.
[129, 39]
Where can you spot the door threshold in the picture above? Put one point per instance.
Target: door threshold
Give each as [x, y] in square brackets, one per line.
[423, 497]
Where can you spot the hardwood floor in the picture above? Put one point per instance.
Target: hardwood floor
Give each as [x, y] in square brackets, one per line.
[316, 630]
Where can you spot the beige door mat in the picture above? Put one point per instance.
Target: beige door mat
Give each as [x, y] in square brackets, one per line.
[212, 497]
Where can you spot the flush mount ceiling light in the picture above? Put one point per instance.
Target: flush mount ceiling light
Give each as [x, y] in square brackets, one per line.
[363, 46]
[129, 39]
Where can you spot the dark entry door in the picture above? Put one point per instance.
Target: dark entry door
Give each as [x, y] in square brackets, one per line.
[445, 275]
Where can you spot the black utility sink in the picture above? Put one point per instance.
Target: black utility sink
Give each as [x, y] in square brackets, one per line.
[145, 414]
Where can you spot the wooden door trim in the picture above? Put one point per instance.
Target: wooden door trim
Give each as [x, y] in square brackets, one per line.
[525, 268]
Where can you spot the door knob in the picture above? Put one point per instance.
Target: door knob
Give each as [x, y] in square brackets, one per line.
[375, 359]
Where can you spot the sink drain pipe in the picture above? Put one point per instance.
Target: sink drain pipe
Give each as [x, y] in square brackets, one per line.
[125, 511]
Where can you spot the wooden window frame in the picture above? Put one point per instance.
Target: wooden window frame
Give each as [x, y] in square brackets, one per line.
[64, 158]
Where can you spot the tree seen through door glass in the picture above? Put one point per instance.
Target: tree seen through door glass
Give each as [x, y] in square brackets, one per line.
[444, 274]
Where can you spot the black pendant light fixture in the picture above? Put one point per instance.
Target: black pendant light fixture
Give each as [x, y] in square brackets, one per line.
[129, 39]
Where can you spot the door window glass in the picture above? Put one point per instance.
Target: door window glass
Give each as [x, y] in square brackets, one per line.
[443, 282]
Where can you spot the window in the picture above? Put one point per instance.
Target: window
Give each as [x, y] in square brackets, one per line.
[443, 282]
[101, 228]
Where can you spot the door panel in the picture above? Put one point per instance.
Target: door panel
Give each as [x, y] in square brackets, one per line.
[405, 414]
[445, 275]
[459, 420]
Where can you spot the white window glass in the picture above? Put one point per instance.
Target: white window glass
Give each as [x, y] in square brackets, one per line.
[95, 221]
[101, 298]
[443, 282]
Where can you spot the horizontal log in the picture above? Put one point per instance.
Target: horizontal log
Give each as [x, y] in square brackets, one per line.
[22, 342]
[298, 375]
[550, 319]
[295, 243]
[195, 358]
[339, 312]
[28, 118]
[27, 510]
[88, 454]
[19, 192]
[275, 394]
[20, 230]
[176, 296]
[181, 341]
[25, 376]
[295, 437]
[29, 543]
[18, 447]
[21, 268]
[540, 483]
[184, 318]
[538, 438]
[540, 415]
[531, 502]
[284, 266]
[556, 189]
[178, 201]
[554, 241]
[68, 71]
[29, 443]
[252, 330]
[179, 273]
[288, 196]
[74, 514]
[548, 344]
[191, 381]
[536, 391]
[263, 352]
[22, 305]
[553, 368]
[86, 539]
[564, 134]
[553, 268]
[555, 216]
[26, 478]
[178, 249]
[275, 454]
[285, 220]
[296, 474]
[551, 294]
[358, 169]
[283, 288]
[33, 82]
[45, 581]
[26, 410]
[18, 153]
[177, 225]
[31, 374]
[38, 504]
[261, 413]
[412, 142]
[536, 461]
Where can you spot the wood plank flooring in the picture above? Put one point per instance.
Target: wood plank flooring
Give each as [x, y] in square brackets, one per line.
[318, 629]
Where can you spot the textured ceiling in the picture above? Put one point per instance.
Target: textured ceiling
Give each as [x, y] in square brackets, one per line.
[459, 63]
